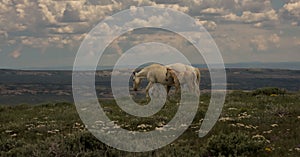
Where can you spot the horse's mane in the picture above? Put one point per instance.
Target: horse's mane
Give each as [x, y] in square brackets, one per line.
[137, 70]
[144, 66]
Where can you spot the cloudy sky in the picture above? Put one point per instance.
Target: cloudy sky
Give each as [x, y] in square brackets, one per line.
[48, 33]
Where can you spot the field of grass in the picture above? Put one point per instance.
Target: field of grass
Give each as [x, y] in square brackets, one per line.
[251, 124]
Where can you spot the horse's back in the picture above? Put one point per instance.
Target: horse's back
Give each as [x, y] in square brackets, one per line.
[156, 73]
[154, 66]
[182, 68]
[178, 67]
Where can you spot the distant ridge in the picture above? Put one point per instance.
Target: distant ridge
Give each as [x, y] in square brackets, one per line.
[260, 65]
[278, 65]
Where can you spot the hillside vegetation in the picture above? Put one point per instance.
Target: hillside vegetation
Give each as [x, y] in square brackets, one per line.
[251, 124]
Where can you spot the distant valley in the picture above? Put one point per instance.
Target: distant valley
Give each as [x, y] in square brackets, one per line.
[40, 86]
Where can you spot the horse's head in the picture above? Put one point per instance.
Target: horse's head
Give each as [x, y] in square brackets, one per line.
[136, 81]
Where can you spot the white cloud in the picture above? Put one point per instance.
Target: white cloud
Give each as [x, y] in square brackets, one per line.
[258, 25]
[75, 28]
[31, 22]
[259, 43]
[156, 20]
[16, 53]
[3, 35]
[231, 17]
[39, 17]
[217, 7]
[249, 17]
[255, 6]
[274, 38]
[294, 23]
[293, 8]
[65, 29]
[63, 24]
[291, 12]
[296, 42]
[216, 11]
[176, 7]
[11, 42]
[264, 43]
[269, 18]
[209, 25]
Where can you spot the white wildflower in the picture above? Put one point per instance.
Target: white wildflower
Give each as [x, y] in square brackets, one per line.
[274, 125]
[13, 135]
[224, 119]
[8, 131]
[240, 124]
[267, 132]
[143, 126]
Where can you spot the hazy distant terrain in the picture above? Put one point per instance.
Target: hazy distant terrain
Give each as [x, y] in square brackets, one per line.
[33, 86]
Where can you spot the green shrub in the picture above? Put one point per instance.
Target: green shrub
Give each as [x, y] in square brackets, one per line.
[269, 91]
[7, 144]
[238, 93]
[91, 143]
[234, 144]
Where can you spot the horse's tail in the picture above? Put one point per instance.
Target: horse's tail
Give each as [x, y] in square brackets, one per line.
[196, 80]
[198, 75]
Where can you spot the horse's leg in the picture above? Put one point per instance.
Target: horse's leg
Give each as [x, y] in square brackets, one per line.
[168, 89]
[177, 82]
[147, 89]
[177, 87]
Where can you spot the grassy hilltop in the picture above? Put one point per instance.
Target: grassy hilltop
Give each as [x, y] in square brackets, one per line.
[257, 123]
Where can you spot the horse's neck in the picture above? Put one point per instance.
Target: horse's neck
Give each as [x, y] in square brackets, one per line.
[142, 74]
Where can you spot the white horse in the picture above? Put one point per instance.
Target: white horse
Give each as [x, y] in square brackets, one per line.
[154, 73]
[186, 75]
